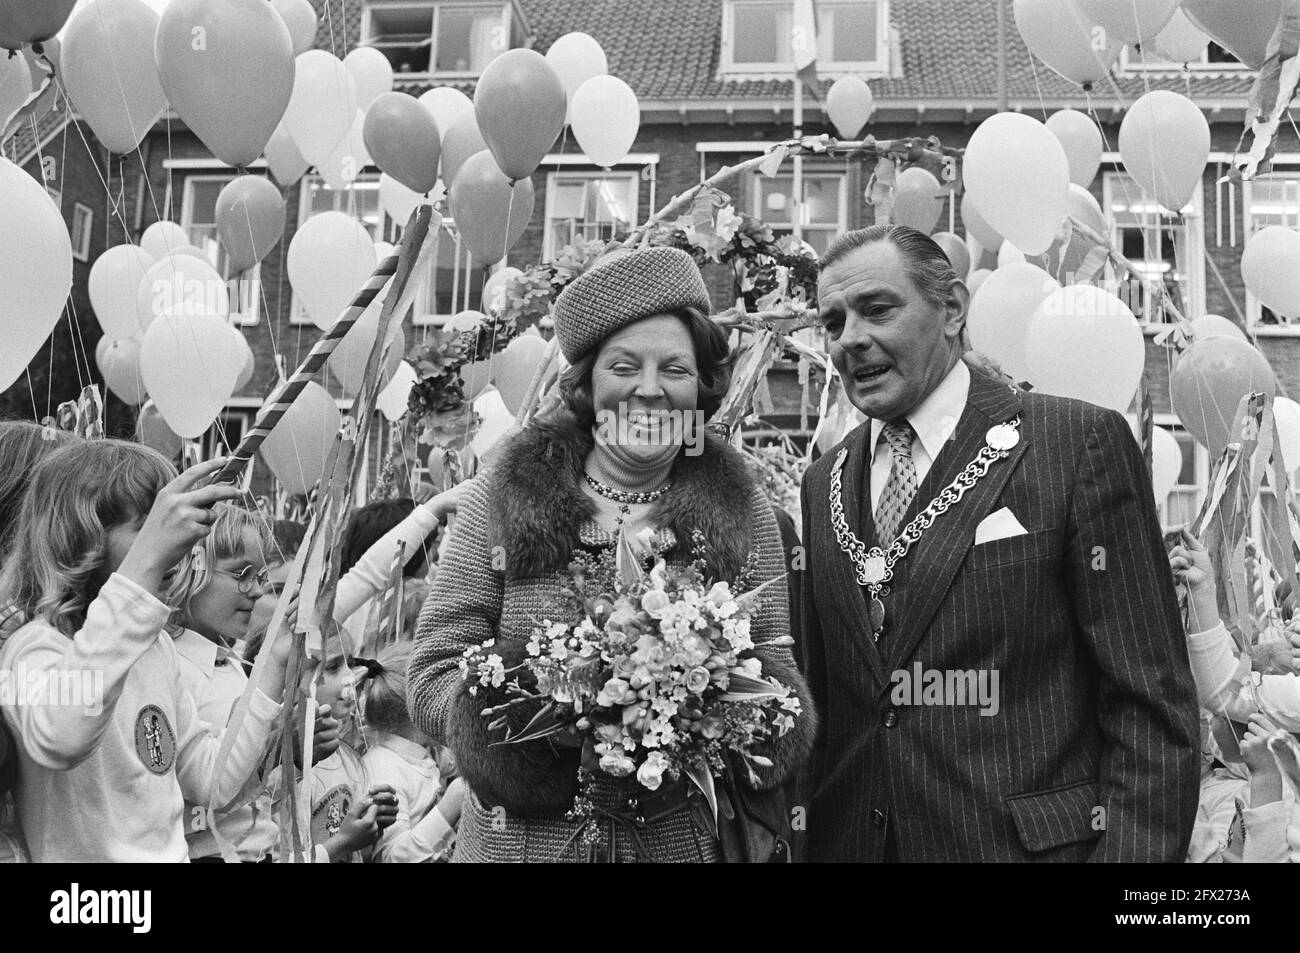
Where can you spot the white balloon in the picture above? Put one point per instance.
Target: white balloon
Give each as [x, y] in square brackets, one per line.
[1269, 267]
[1009, 254]
[514, 369]
[190, 364]
[1286, 412]
[606, 117]
[1085, 343]
[330, 258]
[849, 104]
[371, 72]
[1165, 143]
[1001, 308]
[300, 17]
[1083, 206]
[348, 362]
[282, 155]
[119, 362]
[1081, 139]
[250, 362]
[184, 283]
[1181, 40]
[398, 201]
[395, 398]
[323, 106]
[1166, 462]
[577, 57]
[446, 104]
[35, 269]
[475, 377]
[114, 287]
[1132, 21]
[1025, 209]
[1216, 325]
[467, 321]
[918, 199]
[15, 87]
[494, 289]
[298, 447]
[348, 158]
[162, 238]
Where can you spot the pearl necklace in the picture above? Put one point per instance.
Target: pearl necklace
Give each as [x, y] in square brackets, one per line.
[626, 497]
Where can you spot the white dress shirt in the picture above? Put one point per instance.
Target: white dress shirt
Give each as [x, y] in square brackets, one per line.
[934, 420]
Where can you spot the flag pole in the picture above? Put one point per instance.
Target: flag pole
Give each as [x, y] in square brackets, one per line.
[796, 210]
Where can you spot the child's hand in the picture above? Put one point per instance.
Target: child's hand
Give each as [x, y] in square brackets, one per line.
[358, 830]
[1254, 746]
[385, 801]
[1192, 568]
[445, 503]
[181, 516]
[1287, 752]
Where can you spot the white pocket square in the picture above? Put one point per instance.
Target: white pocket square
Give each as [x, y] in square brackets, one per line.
[999, 525]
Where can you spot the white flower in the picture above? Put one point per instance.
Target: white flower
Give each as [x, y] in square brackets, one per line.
[616, 762]
[651, 772]
[614, 693]
[751, 667]
[719, 595]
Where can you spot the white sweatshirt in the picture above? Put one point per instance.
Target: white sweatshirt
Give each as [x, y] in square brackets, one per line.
[420, 833]
[1226, 685]
[107, 781]
[370, 575]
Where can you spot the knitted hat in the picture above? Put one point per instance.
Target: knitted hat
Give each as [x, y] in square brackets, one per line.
[625, 286]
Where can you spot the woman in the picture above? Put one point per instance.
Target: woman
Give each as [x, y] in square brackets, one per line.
[643, 356]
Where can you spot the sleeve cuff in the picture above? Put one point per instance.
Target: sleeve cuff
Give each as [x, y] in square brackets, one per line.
[130, 596]
[261, 707]
[1208, 637]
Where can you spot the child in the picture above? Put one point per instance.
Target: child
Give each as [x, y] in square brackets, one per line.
[286, 537]
[398, 754]
[105, 778]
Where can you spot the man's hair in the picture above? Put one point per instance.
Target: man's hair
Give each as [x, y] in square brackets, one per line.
[927, 264]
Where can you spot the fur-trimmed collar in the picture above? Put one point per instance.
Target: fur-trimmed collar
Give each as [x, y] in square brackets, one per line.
[538, 507]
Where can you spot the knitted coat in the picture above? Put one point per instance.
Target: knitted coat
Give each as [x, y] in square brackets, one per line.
[505, 564]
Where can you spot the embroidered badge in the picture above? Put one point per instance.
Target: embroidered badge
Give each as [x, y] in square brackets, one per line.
[328, 815]
[155, 741]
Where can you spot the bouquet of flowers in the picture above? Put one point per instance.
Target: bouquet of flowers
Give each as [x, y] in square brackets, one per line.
[656, 678]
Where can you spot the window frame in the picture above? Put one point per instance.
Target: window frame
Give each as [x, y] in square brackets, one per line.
[298, 316]
[729, 68]
[508, 18]
[810, 171]
[83, 218]
[588, 173]
[239, 319]
[1284, 167]
[1128, 63]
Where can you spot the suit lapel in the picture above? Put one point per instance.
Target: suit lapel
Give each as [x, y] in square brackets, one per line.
[853, 596]
[935, 558]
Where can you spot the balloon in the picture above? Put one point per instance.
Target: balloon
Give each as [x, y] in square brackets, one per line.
[1026, 209]
[494, 289]
[606, 118]
[183, 284]
[348, 362]
[955, 248]
[323, 108]
[404, 141]
[114, 287]
[917, 199]
[576, 58]
[35, 269]
[227, 69]
[1286, 413]
[348, 157]
[515, 367]
[152, 431]
[1009, 254]
[1001, 309]
[398, 201]
[30, 21]
[299, 18]
[1166, 462]
[163, 238]
[119, 362]
[282, 155]
[110, 72]
[1165, 143]
[297, 447]
[371, 72]
[250, 362]
[1182, 40]
[1084, 343]
[849, 104]
[1215, 325]
[250, 220]
[1132, 21]
[190, 364]
[461, 142]
[446, 104]
[1084, 211]
[1208, 382]
[976, 227]
[330, 258]
[520, 104]
[1083, 206]
[15, 87]
[394, 399]
[384, 250]
[1058, 35]
[481, 201]
[1242, 27]
[977, 279]
[468, 320]
[475, 377]
[1081, 139]
[1269, 267]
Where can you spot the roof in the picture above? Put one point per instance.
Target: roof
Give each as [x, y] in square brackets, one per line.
[668, 51]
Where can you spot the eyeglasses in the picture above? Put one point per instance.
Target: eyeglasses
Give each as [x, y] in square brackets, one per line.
[247, 578]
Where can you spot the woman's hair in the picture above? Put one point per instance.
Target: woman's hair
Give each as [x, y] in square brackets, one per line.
[288, 536]
[22, 445]
[385, 688]
[369, 524]
[76, 495]
[226, 541]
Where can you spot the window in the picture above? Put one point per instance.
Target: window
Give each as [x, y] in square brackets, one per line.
[360, 200]
[1270, 199]
[1164, 248]
[587, 206]
[226, 433]
[456, 284]
[825, 205]
[83, 220]
[441, 38]
[199, 219]
[852, 35]
[1214, 59]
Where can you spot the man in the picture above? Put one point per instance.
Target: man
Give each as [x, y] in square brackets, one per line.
[1014, 686]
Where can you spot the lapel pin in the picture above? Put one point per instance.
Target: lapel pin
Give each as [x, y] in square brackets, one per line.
[1002, 437]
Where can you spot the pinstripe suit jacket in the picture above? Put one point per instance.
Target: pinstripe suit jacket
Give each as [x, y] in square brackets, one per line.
[1096, 706]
